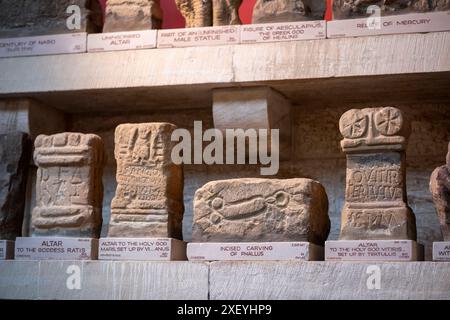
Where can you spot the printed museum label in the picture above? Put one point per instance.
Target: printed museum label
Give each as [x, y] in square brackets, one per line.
[56, 248]
[115, 41]
[265, 251]
[406, 23]
[280, 32]
[6, 249]
[372, 250]
[162, 249]
[441, 251]
[43, 45]
[206, 36]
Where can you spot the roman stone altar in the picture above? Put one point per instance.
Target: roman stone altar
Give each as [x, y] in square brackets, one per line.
[375, 205]
[250, 209]
[440, 189]
[15, 154]
[21, 18]
[132, 15]
[149, 197]
[69, 187]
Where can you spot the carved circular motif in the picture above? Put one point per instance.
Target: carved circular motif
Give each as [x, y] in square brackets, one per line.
[217, 203]
[353, 124]
[388, 121]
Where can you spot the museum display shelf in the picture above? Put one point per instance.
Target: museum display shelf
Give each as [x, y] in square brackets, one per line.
[223, 280]
[379, 69]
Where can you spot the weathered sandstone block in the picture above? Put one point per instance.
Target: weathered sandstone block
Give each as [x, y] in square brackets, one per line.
[245, 210]
[226, 12]
[69, 187]
[149, 195]
[288, 10]
[440, 189]
[375, 196]
[132, 15]
[345, 9]
[196, 13]
[21, 18]
[15, 153]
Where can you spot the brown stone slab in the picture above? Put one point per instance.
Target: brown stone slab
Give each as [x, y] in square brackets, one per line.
[6, 249]
[192, 37]
[373, 250]
[116, 41]
[157, 249]
[281, 32]
[254, 251]
[56, 248]
[441, 251]
[407, 23]
[261, 210]
[43, 45]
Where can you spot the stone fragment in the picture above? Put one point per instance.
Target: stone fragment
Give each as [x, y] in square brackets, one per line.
[440, 190]
[347, 9]
[440, 5]
[69, 188]
[132, 15]
[149, 195]
[226, 12]
[375, 196]
[15, 154]
[22, 18]
[288, 10]
[246, 210]
[196, 13]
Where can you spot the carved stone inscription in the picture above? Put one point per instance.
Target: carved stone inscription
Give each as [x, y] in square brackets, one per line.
[440, 189]
[245, 210]
[375, 195]
[15, 153]
[69, 188]
[149, 195]
[375, 177]
[22, 18]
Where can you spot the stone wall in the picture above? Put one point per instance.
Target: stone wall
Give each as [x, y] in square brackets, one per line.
[315, 153]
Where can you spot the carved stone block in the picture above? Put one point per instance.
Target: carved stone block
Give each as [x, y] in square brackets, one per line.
[347, 9]
[196, 13]
[440, 5]
[149, 196]
[440, 189]
[375, 195]
[246, 210]
[132, 15]
[21, 18]
[69, 188]
[288, 10]
[15, 154]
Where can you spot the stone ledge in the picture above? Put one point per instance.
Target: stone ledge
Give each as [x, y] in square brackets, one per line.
[327, 280]
[417, 66]
[104, 280]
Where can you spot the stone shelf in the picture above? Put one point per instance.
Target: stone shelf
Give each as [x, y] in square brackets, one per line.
[380, 69]
[223, 280]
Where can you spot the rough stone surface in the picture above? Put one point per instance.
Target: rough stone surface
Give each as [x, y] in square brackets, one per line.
[196, 13]
[288, 10]
[104, 280]
[440, 189]
[15, 154]
[246, 210]
[440, 5]
[345, 9]
[132, 15]
[328, 280]
[149, 194]
[375, 195]
[69, 189]
[21, 18]
[226, 12]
